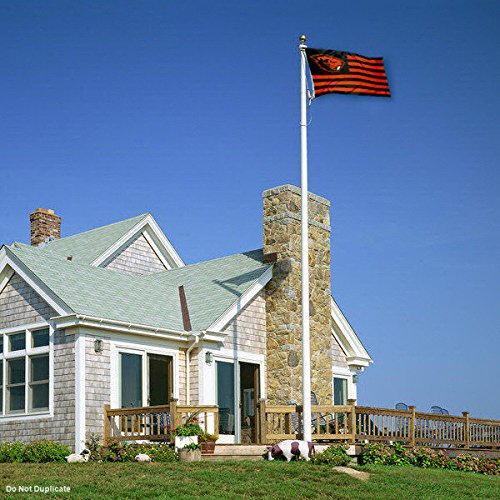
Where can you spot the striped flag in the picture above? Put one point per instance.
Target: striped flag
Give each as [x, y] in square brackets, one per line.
[338, 72]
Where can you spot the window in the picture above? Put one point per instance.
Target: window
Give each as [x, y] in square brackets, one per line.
[339, 391]
[24, 372]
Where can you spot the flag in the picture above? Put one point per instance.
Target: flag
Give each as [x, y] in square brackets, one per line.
[338, 72]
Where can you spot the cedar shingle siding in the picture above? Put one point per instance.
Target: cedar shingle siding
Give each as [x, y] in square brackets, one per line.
[138, 258]
[20, 305]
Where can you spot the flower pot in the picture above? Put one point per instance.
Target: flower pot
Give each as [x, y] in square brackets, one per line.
[181, 441]
[189, 455]
[208, 447]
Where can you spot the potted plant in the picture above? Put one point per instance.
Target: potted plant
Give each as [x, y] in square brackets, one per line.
[190, 453]
[187, 433]
[207, 442]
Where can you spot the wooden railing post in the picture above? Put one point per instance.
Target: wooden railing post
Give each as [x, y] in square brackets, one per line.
[352, 420]
[412, 427]
[262, 422]
[467, 429]
[107, 427]
[173, 414]
[216, 422]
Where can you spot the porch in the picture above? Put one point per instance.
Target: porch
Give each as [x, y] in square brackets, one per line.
[350, 424]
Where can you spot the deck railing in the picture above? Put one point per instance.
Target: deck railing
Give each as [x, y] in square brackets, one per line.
[361, 424]
[156, 423]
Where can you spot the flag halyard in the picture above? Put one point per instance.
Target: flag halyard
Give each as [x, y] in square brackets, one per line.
[337, 72]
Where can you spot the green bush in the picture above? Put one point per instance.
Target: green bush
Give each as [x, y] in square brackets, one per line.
[426, 458]
[35, 452]
[333, 455]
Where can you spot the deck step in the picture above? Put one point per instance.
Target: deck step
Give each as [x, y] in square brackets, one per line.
[224, 452]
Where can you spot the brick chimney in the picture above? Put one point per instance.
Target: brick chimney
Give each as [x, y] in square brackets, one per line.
[283, 296]
[45, 225]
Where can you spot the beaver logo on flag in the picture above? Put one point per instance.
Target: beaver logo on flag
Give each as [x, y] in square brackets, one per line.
[328, 63]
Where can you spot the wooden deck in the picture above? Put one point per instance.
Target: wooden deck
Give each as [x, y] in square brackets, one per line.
[349, 424]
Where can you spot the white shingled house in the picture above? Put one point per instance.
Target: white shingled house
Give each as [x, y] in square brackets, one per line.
[113, 316]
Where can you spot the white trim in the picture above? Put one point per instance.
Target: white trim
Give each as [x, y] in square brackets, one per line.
[346, 337]
[169, 255]
[80, 403]
[44, 291]
[245, 298]
[27, 353]
[7, 272]
[131, 345]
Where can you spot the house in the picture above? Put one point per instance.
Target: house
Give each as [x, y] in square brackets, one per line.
[114, 316]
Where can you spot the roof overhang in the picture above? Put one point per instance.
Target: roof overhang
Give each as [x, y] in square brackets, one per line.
[80, 320]
[344, 334]
[155, 237]
[10, 264]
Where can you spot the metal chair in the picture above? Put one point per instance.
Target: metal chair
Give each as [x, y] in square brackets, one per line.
[402, 406]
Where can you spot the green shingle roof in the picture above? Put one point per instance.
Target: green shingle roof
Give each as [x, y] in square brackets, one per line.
[87, 246]
[211, 287]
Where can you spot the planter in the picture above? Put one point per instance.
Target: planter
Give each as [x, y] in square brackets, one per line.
[189, 455]
[208, 447]
[181, 441]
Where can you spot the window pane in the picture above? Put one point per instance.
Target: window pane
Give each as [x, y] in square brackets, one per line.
[39, 368]
[339, 391]
[40, 338]
[15, 370]
[39, 397]
[17, 342]
[1, 344]
[16, 398]
[1, 386]
[131, 379]
[225, 397]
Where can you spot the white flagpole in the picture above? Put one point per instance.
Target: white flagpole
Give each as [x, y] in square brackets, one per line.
[306, 348]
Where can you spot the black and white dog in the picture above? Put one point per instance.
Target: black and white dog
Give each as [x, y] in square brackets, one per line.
[291, 448]
[78, 458]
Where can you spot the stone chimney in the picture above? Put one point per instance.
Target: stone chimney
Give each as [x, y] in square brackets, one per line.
[45, 225]
[283, 296]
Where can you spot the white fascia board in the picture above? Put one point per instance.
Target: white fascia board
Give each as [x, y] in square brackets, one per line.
[76, 320]
[161, 245]
[237, 306]
[347, 338]
[6, 272]
[34, 282]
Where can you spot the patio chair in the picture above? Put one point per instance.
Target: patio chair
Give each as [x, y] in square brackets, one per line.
[403, 422]
[401, 406]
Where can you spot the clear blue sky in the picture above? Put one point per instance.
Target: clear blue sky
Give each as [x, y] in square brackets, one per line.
[190, 110]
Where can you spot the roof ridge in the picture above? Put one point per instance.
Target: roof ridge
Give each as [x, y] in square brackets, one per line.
[138, 217]
[188, 266]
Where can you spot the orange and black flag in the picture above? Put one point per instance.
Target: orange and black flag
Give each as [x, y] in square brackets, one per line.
[338, 72]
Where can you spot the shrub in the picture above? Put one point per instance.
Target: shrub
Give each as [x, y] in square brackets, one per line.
[426, 458]
[118, 452]
[35, 452]
[333, 455]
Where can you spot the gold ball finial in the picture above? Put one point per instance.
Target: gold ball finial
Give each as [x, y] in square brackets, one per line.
[302, 38]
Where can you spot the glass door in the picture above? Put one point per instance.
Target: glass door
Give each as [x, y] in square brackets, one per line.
[160, 379]
[249, 398]
[130, 380]
[225, 400]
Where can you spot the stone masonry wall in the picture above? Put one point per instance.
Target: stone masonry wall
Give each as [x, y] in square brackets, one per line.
[97, 383]
[138, 258]
[283, 296]
[19, 306]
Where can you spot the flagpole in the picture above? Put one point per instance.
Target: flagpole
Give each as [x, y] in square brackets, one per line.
[306, 348]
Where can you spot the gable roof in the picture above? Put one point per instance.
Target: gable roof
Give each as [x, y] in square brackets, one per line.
[87, 246]
[211, 287]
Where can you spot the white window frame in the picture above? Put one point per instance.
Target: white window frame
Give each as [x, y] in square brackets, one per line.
[27, 353]
[345, 373]
[142, 350]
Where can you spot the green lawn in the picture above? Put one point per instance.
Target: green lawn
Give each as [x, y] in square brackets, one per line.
[249, 479]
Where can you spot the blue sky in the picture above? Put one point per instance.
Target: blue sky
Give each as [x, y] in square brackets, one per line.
[190, 110]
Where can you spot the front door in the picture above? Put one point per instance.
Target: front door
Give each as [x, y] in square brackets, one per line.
[249, 398]
[160, 379]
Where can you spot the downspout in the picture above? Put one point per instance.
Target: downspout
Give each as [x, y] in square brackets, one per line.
[188, 374]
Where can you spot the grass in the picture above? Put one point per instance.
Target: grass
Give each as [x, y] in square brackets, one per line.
[248, 479]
